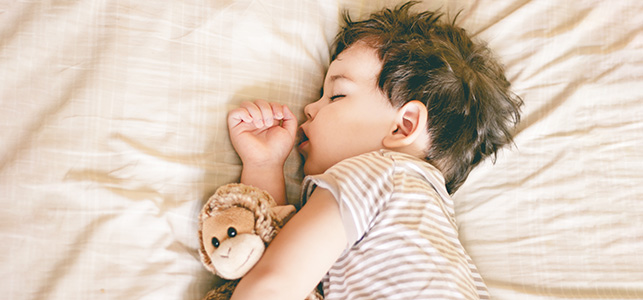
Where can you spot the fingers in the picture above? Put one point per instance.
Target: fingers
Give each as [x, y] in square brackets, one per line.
[277, 110]
[238, 116]
[262, 114]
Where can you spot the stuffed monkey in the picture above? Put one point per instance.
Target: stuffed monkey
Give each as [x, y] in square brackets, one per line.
[235, 226]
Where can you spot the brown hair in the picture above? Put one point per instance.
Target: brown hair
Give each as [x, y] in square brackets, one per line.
[471, 110]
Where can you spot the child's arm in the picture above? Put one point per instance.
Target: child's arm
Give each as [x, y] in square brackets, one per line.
[263, 134]
[300, 254]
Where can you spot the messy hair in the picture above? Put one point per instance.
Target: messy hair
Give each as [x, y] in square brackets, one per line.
[471, 111]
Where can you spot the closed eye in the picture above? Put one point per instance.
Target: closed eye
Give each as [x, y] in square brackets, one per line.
[333, 98]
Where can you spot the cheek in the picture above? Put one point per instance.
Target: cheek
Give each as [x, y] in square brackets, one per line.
[341, 133]
[323, 150]
[334, 145]
[318, 158]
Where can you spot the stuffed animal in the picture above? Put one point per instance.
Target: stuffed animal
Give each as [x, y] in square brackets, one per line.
[235, 226]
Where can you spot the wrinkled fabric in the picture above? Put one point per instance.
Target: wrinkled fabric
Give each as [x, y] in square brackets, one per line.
[113, 135]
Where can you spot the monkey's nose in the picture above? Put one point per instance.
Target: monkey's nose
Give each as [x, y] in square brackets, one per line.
[227, 255]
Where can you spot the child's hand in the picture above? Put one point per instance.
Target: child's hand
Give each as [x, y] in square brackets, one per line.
[262, 133]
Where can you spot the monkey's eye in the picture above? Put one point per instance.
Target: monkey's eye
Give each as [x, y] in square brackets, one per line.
[215, 242]
[232, 232]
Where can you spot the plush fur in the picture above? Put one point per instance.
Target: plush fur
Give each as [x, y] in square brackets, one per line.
[268, 219]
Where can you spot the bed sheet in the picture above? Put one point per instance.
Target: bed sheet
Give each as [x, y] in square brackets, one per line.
[113, 135]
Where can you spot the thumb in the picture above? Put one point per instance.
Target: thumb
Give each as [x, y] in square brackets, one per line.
[289, 122]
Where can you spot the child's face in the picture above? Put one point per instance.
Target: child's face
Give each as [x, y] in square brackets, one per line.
[352, 117]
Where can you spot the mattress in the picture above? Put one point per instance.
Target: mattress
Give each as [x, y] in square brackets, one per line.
[113, 134]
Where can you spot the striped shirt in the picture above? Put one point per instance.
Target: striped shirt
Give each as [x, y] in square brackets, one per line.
[402, 236]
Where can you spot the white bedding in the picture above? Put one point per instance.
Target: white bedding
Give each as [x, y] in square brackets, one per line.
[113, 134]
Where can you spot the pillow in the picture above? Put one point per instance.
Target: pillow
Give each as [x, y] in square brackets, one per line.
[559, 215]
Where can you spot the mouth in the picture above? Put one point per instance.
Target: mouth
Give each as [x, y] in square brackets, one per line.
[302, 139]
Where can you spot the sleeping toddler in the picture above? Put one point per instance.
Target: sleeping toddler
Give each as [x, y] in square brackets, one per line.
[410, 105]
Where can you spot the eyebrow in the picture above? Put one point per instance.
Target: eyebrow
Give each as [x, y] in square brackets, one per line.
[333, 79]
[339, 76]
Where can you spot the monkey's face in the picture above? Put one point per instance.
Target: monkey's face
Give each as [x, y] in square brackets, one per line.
[231, 243]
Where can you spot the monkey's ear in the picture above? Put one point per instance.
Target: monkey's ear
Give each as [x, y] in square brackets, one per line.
[283, 213]
[409, 126]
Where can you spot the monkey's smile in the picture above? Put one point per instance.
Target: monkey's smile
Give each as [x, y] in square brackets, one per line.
[247, 259]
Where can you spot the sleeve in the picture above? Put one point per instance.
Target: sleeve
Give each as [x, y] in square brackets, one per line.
[361, 185]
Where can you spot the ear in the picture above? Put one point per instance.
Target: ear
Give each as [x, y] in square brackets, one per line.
[410, 124]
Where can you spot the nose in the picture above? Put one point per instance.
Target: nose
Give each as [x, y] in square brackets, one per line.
[310, 110]
[225, 254]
